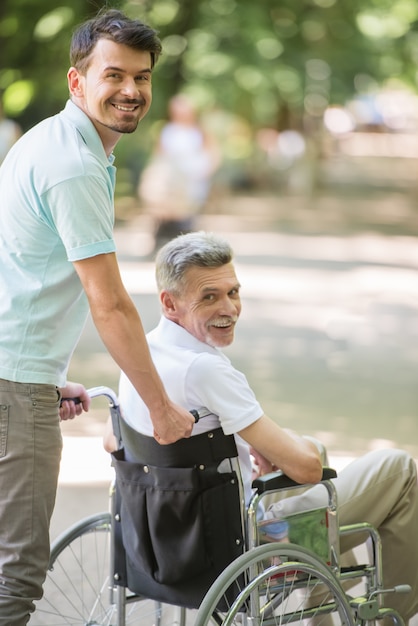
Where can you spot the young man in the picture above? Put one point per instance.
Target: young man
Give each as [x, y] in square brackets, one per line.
[199, 295]
[57, 260]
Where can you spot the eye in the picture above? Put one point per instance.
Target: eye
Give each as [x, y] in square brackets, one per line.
[144, 78]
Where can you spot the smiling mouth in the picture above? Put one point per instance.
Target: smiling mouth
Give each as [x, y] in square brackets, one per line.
[224, 324]
[125, 108]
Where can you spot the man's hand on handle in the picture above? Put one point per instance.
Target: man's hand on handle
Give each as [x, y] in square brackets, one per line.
[75, 400]
[174, 424]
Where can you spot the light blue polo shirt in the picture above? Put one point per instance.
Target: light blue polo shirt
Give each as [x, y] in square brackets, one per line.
[56, 206]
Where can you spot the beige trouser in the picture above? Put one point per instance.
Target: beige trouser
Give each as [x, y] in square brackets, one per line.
[30, 451]
[379, 488]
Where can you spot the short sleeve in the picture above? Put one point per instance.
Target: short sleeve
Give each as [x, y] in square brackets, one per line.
[213, 382]
[81, 211]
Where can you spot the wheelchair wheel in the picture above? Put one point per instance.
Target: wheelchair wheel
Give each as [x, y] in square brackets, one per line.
[78, 590]
[276, 584]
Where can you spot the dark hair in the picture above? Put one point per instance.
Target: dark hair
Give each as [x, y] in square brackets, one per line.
[196, 249]
[116, 26]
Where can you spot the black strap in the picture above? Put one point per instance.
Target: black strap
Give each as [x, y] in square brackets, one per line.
[116, 420]
[205, 449]
[277, 480]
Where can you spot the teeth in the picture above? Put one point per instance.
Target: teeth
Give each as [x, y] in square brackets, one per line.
[121, 108]
[224, 323]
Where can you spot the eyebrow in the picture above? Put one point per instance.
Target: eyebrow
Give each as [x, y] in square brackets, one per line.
[216, 289]
[113, 68]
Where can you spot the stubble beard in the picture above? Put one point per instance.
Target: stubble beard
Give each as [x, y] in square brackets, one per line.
[129, 126]
[124, 129]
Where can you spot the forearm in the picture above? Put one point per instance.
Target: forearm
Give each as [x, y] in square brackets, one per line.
[295, 456]
[120, 328]
[123, 335]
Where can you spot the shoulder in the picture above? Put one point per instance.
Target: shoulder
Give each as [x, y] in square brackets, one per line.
[216, 370]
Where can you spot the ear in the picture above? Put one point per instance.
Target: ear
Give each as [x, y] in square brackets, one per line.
[168, 306]
[75, 83]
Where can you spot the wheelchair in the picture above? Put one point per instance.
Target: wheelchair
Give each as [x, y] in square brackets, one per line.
[244, 571]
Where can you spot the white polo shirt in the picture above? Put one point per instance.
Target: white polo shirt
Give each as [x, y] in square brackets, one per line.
[196, 376]
[56, 206]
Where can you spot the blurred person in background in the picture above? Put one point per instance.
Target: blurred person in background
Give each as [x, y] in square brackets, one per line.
[176, 183]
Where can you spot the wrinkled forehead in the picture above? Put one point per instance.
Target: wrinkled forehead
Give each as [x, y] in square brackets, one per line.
[198, 279]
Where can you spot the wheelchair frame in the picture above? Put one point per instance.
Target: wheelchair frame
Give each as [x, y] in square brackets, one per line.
[271, 584]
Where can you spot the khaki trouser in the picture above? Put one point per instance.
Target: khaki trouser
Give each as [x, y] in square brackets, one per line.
[379, 488]
[30, 451]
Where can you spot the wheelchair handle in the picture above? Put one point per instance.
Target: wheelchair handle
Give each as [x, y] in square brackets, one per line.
[195, 415]
[75, 400]
[106, 391]
[94, 392]
[199, 413]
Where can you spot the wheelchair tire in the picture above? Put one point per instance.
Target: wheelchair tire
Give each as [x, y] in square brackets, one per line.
[275, 584]
[78, 589]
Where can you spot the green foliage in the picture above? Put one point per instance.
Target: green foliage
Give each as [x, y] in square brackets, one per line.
[34, 38]
[271, 62]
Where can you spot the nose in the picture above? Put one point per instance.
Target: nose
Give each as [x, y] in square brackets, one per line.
[230, 307]
[130, 88]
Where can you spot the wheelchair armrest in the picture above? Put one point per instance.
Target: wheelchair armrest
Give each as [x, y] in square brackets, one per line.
[277, 480]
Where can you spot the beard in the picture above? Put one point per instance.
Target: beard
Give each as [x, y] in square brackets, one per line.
[130, 124]
[123, 128]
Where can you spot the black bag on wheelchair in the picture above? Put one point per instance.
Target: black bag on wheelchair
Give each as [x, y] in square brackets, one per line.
[180, 525]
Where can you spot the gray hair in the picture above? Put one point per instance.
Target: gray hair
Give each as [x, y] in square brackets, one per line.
[197, 249]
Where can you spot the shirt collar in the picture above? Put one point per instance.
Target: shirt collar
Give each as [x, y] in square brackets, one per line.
[87, 131]
[182, 338]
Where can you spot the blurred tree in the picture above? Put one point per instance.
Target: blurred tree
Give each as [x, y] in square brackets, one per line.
[269, 60]
[34, 39]
[257, 59]
[273, 63]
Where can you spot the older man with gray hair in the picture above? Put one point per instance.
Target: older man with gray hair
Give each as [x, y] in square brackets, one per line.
[200, 300]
